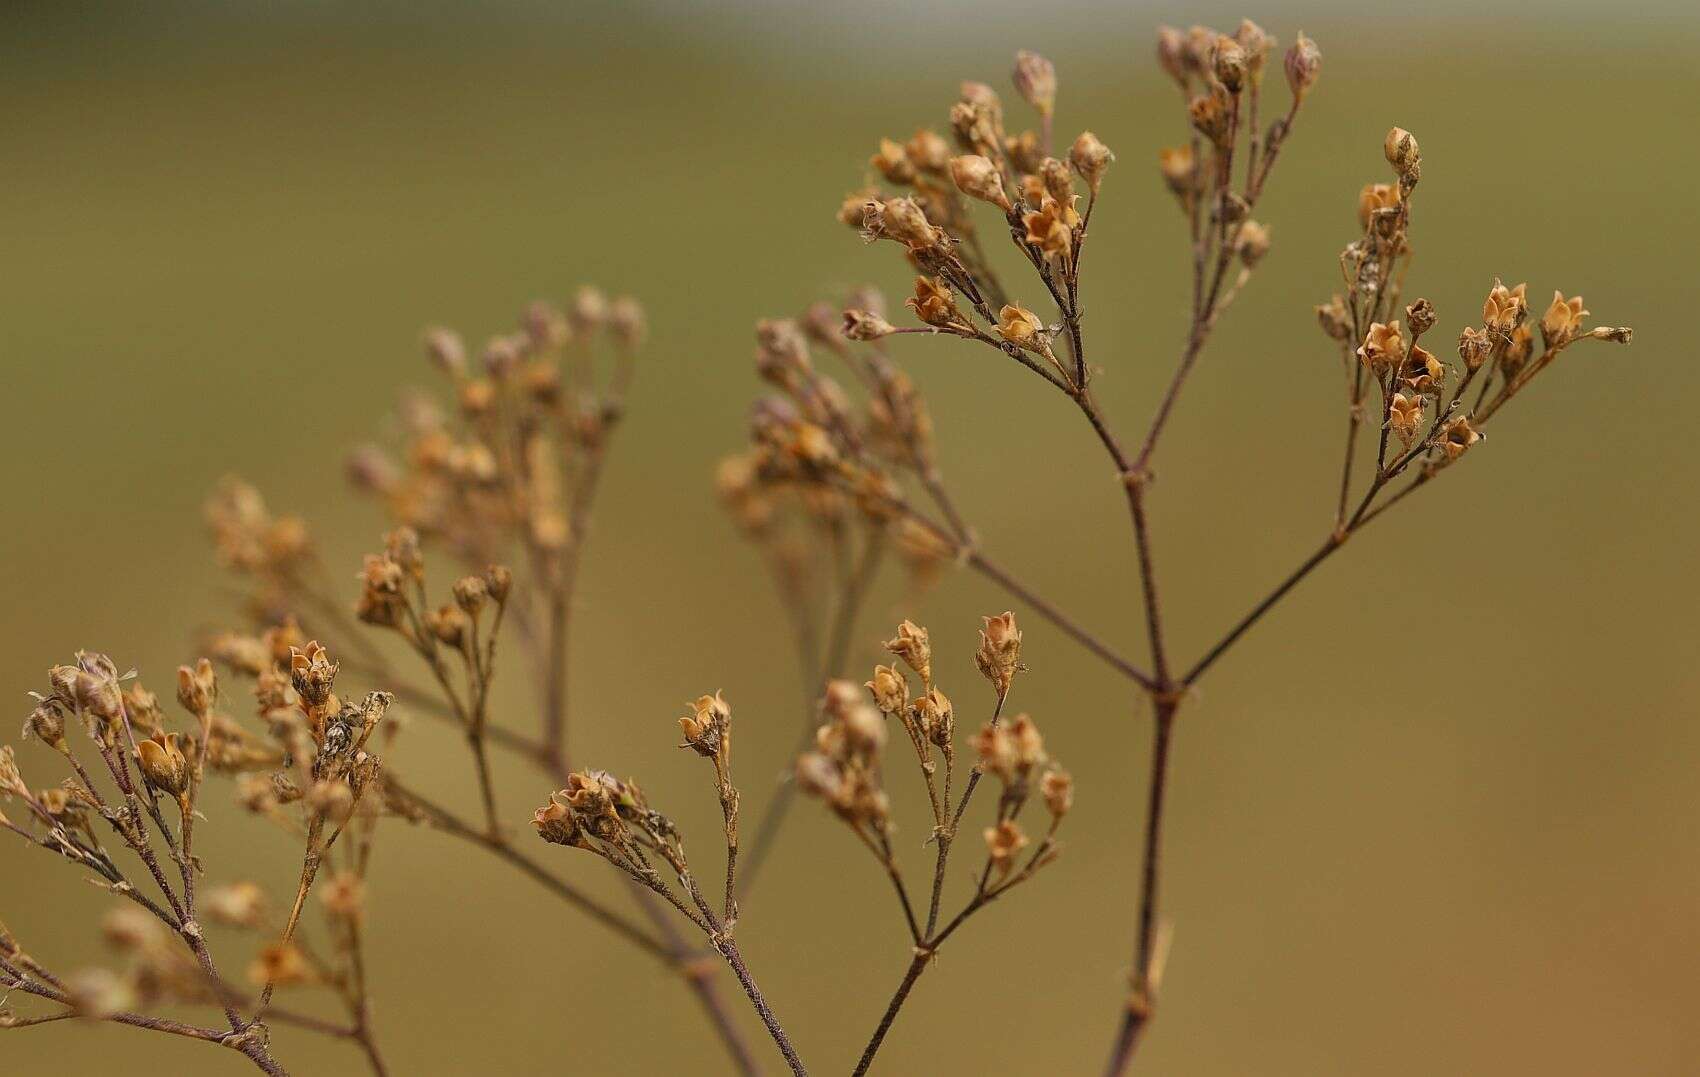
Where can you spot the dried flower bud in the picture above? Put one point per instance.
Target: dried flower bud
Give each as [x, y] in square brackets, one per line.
[999, 656]
[545, 327]
[853, 211]
[197, 688]
[99, 695]
[928, 152]
[889, 689]
[1401, 150]
[470, 593]
[627, 322]
[1022, 327]
[1563, 320]
[1180, 172]
[892, 162]
[501, 358]
[588, 311]
[1383, 347]
[995, 751]
[1058, 789]
[1505, 308]
[937, 718]
[1091, 159]
[47, 722]
[1405, 416]
[1171, 53]
[163, 765]
[977, 177]
[312, 673]
[1049, 229]
[903, 220]
[1036, 81]
[1457, 436]
[450, 626]
[1334, 319]
[64, 682]
[1253, 243]
[1304, 63]
[1004, 843]
[1473, 347]
[708, 728]
[862, 325]
[1420, 317]
[1229, 60]
[933, 302]
[1256, 44]
[446, 351]
[556, 823]
[912, 645]
[982, 96]
[1212, 116]
[1421, 372]
[1029, 745]
[498, 582]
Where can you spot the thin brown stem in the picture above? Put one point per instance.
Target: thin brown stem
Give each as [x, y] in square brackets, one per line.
[1143, 994]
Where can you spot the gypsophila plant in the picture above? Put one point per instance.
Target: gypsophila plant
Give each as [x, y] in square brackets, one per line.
[946, 204]
[490, 496]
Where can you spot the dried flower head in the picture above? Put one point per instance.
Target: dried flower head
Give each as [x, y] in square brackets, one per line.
[197, 688]
[1405, 416]
[1304, 63]
[708, 728]
[1457, 436]
[1035, 80]
[1091, 159]
[1401, 151]
[1562, 321]
[999, 656]
[912, 645]
[1058, 789]
[1022, 327]
[1004, 843]
[862, 325]
[1505, 308]
[889, 689]
[163, 764]
[977, 177]
[1383, 347]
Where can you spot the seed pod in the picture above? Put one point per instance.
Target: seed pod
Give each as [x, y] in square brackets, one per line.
[163, 765]
[1304, 63]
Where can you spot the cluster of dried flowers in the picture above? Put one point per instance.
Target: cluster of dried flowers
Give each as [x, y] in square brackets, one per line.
[309, 770]
[508, 471]
[811, 447]
[845, 771]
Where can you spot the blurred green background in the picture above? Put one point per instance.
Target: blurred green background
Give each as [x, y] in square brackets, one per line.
[1443, 821]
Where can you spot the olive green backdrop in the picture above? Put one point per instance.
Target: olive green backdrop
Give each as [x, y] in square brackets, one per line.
[1437, 815]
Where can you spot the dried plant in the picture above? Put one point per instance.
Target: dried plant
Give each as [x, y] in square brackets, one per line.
[816, 454]
[507, 475]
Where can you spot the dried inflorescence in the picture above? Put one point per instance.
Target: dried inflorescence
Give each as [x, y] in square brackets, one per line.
[845, 770]
[599, 813]
[318, 755]
[839, 469]
[1217, 177]
[1423, 399]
